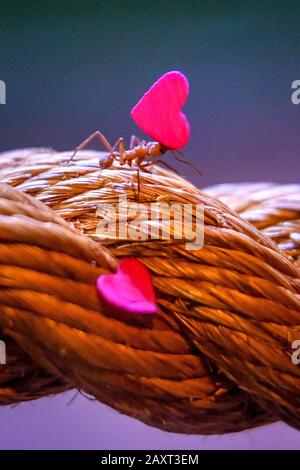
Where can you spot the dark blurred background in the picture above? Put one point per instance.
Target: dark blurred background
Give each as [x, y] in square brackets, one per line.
[74, 67]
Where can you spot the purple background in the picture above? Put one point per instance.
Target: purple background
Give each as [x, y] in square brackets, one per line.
[70, 71]
[51, 424]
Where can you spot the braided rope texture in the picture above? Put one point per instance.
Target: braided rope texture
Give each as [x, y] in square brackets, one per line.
[216, 359]
[274, 209]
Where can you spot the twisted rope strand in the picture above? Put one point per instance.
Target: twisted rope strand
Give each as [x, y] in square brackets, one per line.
[217, 357]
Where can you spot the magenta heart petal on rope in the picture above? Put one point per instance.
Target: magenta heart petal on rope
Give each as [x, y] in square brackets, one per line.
[129, 290]
[158, 113]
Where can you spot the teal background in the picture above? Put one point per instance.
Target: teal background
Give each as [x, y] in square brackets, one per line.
[74, 67]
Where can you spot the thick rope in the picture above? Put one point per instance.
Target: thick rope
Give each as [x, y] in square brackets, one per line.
[272, 208]
[228, 311]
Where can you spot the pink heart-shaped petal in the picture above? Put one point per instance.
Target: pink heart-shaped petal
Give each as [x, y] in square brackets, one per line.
[158, 113]
[129, 290]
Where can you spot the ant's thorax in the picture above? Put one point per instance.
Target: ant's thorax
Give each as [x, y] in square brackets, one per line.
[145, 150]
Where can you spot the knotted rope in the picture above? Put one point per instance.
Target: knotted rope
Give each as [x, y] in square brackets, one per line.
[217, 357]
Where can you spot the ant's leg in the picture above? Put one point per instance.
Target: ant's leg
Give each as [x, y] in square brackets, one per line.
[141, 166]
[182, 160]
[145, 166]
[134, 140]
[167, 165]
[138, 176]
[118, 143]
[138, 184]
[121, 144]
[87, 141]
[122, 152]
[106, 161]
